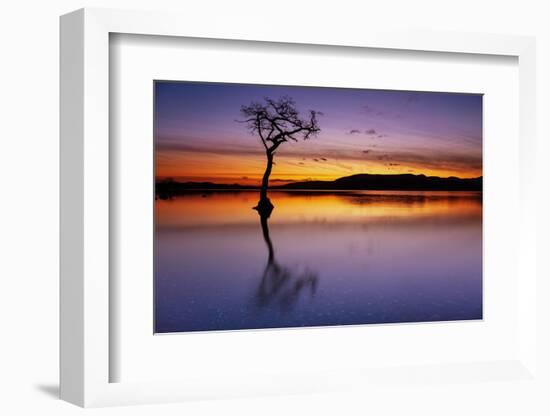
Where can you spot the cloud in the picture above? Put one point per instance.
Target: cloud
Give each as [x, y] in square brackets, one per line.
[324, 159]
[416, 158]
[369, 132]
[430, 159]
[191, 146]
[315, 159]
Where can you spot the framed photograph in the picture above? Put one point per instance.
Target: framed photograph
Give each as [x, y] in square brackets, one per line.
[369, 208]
[280, 214]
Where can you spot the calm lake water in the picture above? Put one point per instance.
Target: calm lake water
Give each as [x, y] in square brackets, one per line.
[322, 258]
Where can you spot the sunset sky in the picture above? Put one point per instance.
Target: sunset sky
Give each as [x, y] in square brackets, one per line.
[197, 137]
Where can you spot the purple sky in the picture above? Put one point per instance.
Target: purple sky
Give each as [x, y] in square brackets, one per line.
[362, 131]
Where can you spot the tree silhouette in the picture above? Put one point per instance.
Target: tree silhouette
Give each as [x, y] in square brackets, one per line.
[276, 122]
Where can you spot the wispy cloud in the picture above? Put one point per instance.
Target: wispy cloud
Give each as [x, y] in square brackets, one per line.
[433, 160]
[185, 145]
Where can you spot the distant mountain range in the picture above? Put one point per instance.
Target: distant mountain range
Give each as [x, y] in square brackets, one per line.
[392, 182]
[354, 182]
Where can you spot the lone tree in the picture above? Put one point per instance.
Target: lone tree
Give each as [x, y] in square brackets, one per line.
[276, 122]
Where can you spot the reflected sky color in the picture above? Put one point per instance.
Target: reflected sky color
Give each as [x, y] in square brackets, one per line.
[340, 258]
[197, 137]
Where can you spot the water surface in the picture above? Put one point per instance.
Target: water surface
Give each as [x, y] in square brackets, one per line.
[322, 258]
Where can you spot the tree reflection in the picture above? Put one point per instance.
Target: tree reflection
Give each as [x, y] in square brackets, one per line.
[279, 283]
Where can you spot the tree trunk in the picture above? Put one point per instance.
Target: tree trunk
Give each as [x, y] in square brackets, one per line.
[265, 206]
[265, 179]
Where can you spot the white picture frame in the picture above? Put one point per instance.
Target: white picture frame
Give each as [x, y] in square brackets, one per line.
[85, 211]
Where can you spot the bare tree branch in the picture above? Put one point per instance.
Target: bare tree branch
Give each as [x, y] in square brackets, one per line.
[280, 117]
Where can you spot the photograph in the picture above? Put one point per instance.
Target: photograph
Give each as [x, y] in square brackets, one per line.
[279, 206]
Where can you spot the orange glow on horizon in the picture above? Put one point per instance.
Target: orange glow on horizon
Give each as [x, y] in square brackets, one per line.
[248, 170]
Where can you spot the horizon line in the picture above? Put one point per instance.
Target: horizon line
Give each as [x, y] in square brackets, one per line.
[286, 181]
